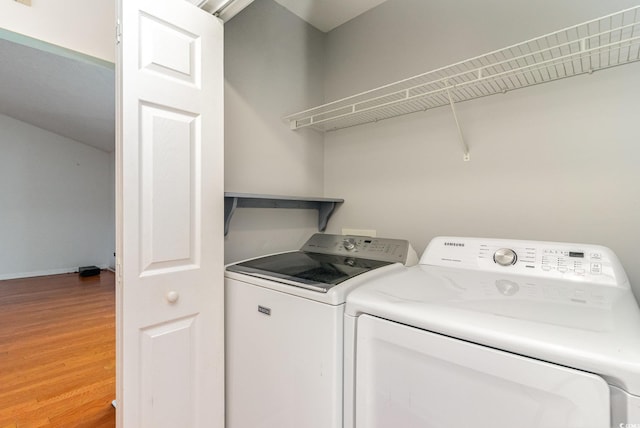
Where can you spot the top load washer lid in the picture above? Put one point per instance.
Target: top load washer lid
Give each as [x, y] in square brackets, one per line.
[327, 260]
[314, 271]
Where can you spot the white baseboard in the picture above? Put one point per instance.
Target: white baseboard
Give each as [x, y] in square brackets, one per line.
[43, 272]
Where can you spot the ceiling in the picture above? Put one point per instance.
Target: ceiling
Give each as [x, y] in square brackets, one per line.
[326, 15]
[75, 98]
[63, 95]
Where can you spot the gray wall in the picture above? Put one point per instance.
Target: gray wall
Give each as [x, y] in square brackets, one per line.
[273, 67]
[554, 162]
[56, 206]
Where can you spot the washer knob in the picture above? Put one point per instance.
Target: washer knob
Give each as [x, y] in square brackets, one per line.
[505, 257]
[349, 244]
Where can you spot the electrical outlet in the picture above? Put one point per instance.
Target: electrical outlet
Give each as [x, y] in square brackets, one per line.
[359, 232]
[24, 2]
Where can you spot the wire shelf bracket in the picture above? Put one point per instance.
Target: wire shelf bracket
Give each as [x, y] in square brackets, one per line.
[601, 43]
[465, 148]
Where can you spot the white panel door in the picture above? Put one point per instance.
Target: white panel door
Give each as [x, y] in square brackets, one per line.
[170, 352]
[411, 378]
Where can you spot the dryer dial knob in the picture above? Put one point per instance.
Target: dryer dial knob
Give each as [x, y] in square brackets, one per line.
[349, 244]
[505, 257]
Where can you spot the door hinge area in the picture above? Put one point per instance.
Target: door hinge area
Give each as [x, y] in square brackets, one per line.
[118, 32]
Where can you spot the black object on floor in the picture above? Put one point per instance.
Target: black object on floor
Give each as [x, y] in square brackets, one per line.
[89, 270]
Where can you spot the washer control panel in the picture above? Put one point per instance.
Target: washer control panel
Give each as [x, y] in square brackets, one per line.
[578, 262]
[363, 247]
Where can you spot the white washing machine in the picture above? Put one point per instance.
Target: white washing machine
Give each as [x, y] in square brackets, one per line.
[495, 334]
[284, 329]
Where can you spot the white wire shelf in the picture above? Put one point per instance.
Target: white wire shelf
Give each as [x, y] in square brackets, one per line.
[584, 48]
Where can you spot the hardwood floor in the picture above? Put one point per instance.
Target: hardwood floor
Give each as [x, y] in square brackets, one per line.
[57, 351]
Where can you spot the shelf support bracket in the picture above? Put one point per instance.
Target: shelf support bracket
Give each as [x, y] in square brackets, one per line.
[465, 148]
[230, 205]
[325, 209]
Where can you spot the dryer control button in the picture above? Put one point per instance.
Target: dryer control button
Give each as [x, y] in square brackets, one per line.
[505, 257]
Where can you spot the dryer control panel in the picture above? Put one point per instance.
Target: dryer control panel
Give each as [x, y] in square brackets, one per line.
[578, 262]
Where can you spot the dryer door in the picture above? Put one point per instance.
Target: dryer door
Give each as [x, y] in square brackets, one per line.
[410, 378]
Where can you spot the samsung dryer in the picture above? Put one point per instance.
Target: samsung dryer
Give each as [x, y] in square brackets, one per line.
[284, 328]
[495, 333]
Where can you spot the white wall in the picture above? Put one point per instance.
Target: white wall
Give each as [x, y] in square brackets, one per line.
[56, 209]
[555, 162]
[273, 67]
[111, 231]
[83, 26]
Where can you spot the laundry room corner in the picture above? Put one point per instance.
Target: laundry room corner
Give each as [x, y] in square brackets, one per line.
[556, 161]
[274, 63]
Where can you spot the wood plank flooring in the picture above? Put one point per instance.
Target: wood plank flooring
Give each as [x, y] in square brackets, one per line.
[57, 351]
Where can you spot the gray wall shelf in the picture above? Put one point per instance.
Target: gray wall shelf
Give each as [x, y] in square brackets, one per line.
[325, 206]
